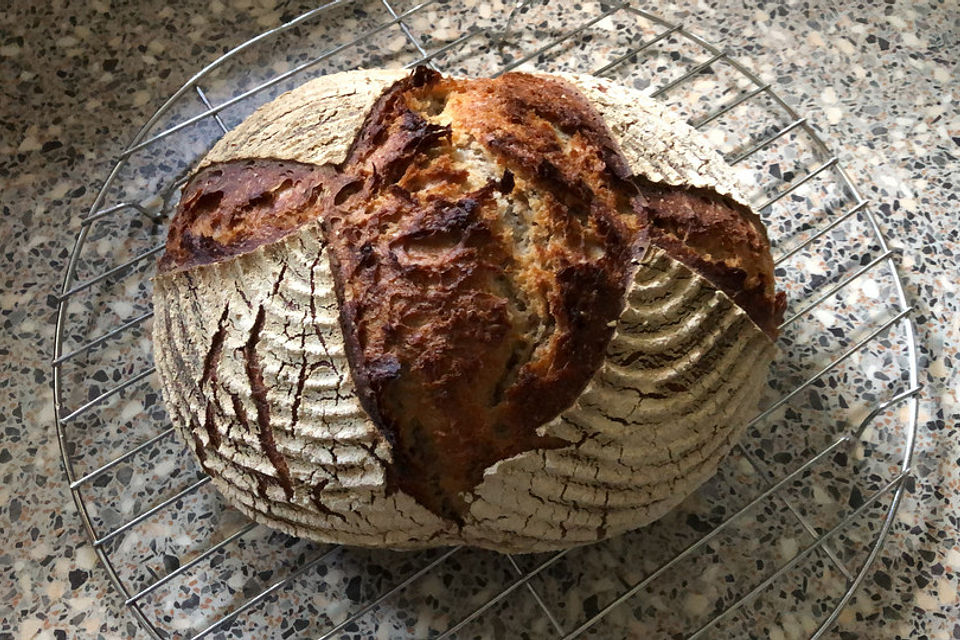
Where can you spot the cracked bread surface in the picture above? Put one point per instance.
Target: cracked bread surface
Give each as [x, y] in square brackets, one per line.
[470, 308]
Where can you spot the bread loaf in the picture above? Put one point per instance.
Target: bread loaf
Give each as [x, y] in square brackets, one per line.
[407, 310]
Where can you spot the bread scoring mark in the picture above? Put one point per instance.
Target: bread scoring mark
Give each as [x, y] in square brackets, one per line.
[316, 496]
[179, 357]
[212, 358]
[258, 393]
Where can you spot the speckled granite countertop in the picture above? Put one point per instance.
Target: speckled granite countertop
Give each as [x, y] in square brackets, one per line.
[879, 80]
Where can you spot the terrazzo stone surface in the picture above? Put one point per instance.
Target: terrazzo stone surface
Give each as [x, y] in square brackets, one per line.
[877, 81]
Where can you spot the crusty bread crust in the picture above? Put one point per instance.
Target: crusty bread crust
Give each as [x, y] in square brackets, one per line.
[472, 318]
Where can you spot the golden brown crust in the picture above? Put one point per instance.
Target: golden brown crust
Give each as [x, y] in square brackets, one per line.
[480, 234]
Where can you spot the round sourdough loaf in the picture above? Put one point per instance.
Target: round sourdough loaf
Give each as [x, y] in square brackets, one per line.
[407, 310]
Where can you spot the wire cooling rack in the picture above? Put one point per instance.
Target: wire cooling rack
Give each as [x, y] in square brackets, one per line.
[781, 537]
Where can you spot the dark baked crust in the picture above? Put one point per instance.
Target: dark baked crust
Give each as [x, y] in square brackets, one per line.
[481, 234]
[231, 208]
[467, 342]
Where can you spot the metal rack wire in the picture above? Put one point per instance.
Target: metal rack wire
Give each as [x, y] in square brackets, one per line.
[134, 474]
